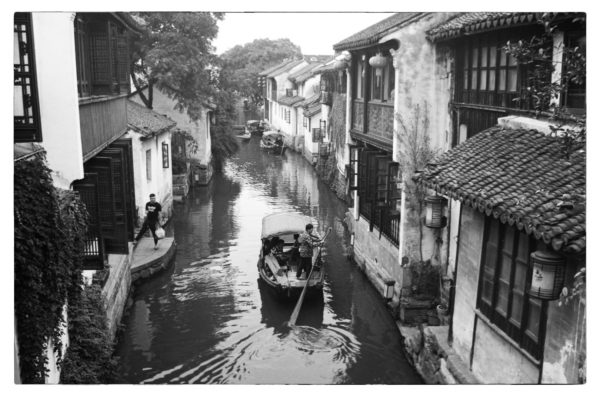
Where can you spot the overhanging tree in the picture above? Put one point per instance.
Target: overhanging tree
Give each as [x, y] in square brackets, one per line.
[241, 65]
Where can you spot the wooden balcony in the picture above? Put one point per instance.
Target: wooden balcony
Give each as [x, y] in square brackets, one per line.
[102, 120]
[373, 122]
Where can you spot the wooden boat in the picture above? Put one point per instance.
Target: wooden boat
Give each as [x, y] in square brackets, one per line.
[244, 137]
[272, 141]
[279, 271]
[256, 127]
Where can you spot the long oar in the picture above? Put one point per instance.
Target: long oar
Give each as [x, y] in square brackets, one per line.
[296, 311]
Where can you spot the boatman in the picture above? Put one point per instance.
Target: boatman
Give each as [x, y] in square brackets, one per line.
[307, 242]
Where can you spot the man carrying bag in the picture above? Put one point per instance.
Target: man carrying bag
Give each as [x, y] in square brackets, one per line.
[153, 210]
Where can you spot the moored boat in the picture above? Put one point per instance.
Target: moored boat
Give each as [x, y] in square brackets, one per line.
[245, 136]
[278, 268]
[272, 141]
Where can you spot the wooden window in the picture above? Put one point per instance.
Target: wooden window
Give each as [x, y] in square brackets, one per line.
[359, 79]
[574, 96]
[382, 86]
[504, 276]
[378, 190]
[102, 55]
[487, 75]
[149, 164]
[26, 110]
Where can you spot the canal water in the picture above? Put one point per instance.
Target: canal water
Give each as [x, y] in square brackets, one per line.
[209, 320]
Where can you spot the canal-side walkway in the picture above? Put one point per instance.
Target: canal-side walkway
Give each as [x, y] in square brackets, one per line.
[148, 261]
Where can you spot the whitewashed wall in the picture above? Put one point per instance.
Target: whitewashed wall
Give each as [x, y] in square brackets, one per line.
[54, 43]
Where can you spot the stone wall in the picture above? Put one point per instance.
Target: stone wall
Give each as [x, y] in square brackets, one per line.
[116, 289]
[433, 358]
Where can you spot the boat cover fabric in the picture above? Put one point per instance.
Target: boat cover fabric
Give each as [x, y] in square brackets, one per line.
[286, 222]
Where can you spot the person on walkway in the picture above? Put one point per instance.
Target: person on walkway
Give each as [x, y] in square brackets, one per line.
[307, 242]
[153, 212]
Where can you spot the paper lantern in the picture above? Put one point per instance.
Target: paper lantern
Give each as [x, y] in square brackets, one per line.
[548, 274]
[433, 212]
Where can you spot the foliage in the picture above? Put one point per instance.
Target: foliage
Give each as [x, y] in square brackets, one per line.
[223, 141]
[577, 292]
[175, 54]
[49, 228]
[425, 280]
[415, 154]
[241, 65]
[89, 357]
[542, 92]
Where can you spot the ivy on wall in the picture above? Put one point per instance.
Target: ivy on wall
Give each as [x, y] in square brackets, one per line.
[49, 228]
[89, 357]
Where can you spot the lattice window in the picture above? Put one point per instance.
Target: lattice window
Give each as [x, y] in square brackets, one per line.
[504, 276]
[27, 126]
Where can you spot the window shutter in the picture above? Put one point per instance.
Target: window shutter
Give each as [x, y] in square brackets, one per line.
[123, 61]
[352, 169]
[93, 252]
[117, 241]
[100, 59]
[27, 127]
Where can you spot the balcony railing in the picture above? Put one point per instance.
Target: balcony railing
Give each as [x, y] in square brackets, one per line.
[379, 123]
[102, 120]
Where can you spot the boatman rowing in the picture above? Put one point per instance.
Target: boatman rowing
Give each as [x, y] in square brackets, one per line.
[307, 242]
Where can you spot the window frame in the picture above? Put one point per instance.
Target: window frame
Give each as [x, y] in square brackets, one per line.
[25, 131]
[491, 279]
[149, 164]
[377, 189]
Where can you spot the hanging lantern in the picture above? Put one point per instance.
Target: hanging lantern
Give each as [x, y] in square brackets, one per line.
[547, 276]
[433, 212]
[378, 62]
[389, 289]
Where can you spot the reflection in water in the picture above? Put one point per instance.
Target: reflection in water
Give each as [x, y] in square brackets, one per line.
[210, 319]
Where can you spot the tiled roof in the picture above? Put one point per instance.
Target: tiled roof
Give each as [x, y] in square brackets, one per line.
[476, 22]
[312, 109]
[274, 67]
[305, 70]
[373, 33]
[308, 101]
[522, 178]
[145, 121]
[289, 101]
[309, 74]
[284, 68]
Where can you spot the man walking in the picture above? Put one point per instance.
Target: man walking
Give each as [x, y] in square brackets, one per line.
[307, 242]
[153, 210]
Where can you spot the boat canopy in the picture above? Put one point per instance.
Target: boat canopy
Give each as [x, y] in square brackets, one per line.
[272, 133]
[283, 223]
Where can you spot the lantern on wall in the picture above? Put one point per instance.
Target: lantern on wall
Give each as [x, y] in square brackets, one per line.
[433, 211]
[548, 274]
[378, 62]
[389, 289]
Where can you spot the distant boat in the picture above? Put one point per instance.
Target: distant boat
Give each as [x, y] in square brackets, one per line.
[272, 141]
[244, 137]
[279, 273]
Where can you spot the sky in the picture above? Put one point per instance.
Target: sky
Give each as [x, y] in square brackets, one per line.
[315, 33]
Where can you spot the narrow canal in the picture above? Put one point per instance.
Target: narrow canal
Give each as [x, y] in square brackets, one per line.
[209, 320]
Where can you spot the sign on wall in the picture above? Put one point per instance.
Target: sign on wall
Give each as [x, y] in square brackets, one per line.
[165, 155]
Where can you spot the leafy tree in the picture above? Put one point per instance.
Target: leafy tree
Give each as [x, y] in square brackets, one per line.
[241, 65]
[542, 92]
[223, 141]
[175, 55]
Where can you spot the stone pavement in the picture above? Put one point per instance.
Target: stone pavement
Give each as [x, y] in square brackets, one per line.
[147, 260]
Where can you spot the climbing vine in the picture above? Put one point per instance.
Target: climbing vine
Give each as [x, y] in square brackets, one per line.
[49, 228]
[89, 357]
